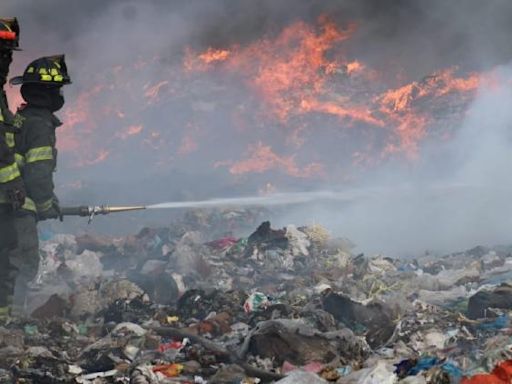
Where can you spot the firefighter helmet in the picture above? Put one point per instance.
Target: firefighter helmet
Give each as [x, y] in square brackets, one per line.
[9, 33]
[48, 70]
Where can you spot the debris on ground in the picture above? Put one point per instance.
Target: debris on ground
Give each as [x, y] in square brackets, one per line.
[287, 305]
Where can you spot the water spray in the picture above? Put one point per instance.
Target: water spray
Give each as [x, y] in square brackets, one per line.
[283, 199]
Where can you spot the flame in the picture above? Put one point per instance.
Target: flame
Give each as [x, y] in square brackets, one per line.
[152, 92]
[203, 61]
[437, 85]
[213, 55]
[299, 90]
[356, 113]
[263, 158]
[291, 70]
[411, 123]
[410, 131]
[354, 67]
[132, 130]
[100, 157]
[287, 71]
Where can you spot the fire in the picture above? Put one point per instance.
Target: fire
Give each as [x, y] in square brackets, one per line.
[356, 113]
[297, 90]
[411, 124]
[263, 159]
[152, 92]
[437, 85]
[132, 130]
[409, 132]
[212, 55]
[291, 70]
[354, 67]
[100, 157]
[287, 71]
[202, 62]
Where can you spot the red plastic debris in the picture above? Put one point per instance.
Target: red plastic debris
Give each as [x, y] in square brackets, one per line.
[501, 374]
[172, 345]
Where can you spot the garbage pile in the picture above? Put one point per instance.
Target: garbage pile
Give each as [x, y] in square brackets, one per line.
[287, 305]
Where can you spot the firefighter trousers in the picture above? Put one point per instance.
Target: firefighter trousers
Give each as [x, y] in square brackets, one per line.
[24, 259]
[8, 241]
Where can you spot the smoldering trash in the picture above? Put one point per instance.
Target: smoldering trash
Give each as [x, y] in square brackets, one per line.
[183, 304]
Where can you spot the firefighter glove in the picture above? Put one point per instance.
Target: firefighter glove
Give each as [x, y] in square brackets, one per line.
[49, 210]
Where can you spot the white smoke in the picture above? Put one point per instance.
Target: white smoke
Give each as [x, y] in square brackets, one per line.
[458, 196]
[455, 196]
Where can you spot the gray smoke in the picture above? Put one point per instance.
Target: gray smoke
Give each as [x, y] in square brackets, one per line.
[455, 196]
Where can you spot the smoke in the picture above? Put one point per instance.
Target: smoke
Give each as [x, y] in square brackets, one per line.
[455, 195]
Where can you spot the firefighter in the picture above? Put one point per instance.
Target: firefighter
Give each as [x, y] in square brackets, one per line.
[36, 155]
[12, 192]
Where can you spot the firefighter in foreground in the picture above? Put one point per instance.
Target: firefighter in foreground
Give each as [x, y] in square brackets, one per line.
[12, 193]
[36, 155]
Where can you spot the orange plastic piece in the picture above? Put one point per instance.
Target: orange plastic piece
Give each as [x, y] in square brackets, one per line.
[170, 370]
[501, 374]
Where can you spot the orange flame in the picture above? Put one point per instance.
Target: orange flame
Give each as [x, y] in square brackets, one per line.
[287, 71]
[152, 93]
[298, 75]
[263, 158]
[202, 62]
[411, 124]
[439, 84]
[100, 157]
[354, 67]
[132, 130]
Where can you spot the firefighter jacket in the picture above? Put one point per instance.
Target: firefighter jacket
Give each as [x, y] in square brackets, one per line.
[9, 171]
[36, 155]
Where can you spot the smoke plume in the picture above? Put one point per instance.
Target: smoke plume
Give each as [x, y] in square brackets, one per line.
[140, 129]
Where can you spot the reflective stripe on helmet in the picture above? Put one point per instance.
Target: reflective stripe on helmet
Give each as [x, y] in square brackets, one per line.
[9, 173]
[39, 154]
[57, 78]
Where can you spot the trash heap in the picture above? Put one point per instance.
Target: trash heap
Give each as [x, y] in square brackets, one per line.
[288, 305]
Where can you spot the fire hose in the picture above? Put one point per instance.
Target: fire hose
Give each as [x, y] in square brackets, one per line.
[91, 211]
